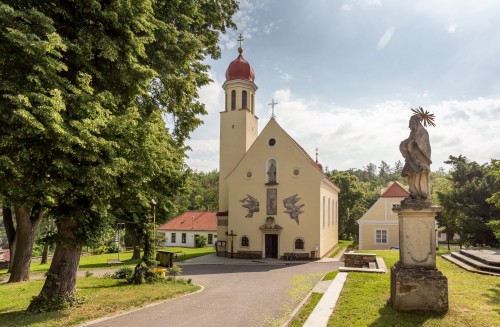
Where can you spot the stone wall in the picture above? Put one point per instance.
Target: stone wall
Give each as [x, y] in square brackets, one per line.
[359, 260]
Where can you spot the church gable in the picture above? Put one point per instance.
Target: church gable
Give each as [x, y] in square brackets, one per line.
[275, 155]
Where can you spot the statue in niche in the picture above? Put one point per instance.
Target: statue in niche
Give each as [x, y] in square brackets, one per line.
[292, 208]
[251, 203]
[272, 201]
[271, 172]
[416, 150]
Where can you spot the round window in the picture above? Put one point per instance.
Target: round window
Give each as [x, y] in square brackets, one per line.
[249, 174]
[271, 142]
[296, 172]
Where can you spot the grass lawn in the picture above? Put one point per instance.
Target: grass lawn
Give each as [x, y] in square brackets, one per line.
[342, 245]
[306, 310]
[103, 296]
[100, 261]
[474, 299]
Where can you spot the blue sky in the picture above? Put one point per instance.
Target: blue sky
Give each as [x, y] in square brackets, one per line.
[346, 73]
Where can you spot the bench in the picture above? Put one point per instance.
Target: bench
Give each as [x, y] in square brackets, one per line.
[248, 255]
[113, 261]
[295, 256]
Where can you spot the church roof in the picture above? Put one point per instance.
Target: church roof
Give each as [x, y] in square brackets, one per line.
[395, 191]
[192, 220]
[240, 69]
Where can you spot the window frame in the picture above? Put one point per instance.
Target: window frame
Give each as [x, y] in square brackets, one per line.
[244, 237]
[384, 233]
[299, 239]
[184, 238]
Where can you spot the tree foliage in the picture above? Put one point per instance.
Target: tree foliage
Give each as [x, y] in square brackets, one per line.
[472, 185]
[84, 88]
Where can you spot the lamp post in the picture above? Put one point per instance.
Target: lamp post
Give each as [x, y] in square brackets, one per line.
[153, 204]
[120, 226]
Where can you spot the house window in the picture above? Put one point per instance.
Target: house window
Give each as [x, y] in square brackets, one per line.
[183, 237]
[299, 244]
[233, 100]
[244, 99]
[381, 236]
[244, 241]
[173, 237]
[210, 238]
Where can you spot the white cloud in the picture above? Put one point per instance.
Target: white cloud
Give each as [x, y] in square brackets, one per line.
[346, 7]
[452, 28]
[353, 137]
[212, 95]
[386, 38]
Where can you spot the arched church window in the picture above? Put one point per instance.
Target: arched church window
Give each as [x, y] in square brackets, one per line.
[299, 244]
[245, 241]
[324, 218]
[272, 171]
[233, 100]
[244, 99]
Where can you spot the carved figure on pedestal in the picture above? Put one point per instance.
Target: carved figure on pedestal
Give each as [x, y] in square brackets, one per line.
[416, 150]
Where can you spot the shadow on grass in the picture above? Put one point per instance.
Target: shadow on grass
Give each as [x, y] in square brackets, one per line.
[107, 265]
[494, 297]
[391, 317]
[23, 318]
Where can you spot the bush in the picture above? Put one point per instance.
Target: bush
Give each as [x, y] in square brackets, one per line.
[175, 271]
[143, 274]
[112, 248]
[123, 273]
[99, 250]
[201, 241]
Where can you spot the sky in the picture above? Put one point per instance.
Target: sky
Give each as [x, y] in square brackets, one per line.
[345, 75]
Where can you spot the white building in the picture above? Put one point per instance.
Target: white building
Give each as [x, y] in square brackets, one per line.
[183, 230]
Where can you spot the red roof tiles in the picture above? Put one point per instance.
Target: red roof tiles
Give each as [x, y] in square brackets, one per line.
[395, 191]
[192, 220]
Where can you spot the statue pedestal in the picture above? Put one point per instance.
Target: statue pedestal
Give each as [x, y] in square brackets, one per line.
[416, 283]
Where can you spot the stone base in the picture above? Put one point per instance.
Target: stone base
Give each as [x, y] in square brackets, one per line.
[418, 288]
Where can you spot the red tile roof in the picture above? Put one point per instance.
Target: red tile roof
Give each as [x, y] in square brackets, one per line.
[192, 220]
[395, 191]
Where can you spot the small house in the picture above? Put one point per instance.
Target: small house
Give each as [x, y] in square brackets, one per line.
[183, 229]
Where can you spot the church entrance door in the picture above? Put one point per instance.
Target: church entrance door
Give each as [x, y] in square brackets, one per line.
[272, 246]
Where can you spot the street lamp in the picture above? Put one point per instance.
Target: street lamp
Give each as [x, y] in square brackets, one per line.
[119, 226]
[153, 204]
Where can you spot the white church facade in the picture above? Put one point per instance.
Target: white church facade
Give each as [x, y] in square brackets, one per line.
[274, 199]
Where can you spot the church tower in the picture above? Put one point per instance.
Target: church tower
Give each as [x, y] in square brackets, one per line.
[238, 123]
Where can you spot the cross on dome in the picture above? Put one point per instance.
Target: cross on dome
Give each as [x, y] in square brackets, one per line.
[240, 39]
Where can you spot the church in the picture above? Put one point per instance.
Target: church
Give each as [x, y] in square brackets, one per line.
[274, 199]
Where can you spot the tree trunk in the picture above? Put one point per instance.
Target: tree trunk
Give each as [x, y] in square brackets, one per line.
[136, 242]
[27, 225]
[61, 277]
[8, 223]
[45, 253]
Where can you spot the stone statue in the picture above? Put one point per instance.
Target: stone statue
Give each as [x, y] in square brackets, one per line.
[272, 172]
[416, 150]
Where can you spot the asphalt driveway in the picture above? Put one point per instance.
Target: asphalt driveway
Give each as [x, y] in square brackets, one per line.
[236, 293]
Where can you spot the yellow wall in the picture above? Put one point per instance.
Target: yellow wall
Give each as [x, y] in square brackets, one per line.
[308, 184]
[379, 216]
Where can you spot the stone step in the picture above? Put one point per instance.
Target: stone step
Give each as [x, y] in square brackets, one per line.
[465, 265]
[487, 257]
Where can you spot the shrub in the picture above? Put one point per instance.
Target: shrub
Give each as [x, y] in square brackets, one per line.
[99, 250]
[123, 273]
[175, 271]
[201, 241]
[112, 248]
[143, 274]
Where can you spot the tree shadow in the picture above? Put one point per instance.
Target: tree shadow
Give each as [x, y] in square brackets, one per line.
[22, 318]
[494, 297]
[390, 317]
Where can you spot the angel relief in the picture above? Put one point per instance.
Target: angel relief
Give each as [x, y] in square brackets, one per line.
[251, 203]
[292, 208]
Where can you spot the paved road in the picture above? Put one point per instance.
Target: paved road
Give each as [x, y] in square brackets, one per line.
[234, 295]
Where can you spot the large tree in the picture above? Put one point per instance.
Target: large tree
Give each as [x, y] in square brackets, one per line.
[472, 185]
[79, 78]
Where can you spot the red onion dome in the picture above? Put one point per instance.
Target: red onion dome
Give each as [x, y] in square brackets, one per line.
[240, 69]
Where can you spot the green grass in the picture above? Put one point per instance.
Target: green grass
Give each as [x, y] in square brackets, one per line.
[474, 300]
[331, 275]
[100, 261]
[342, 245]
[103, 296]
[306, 310]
